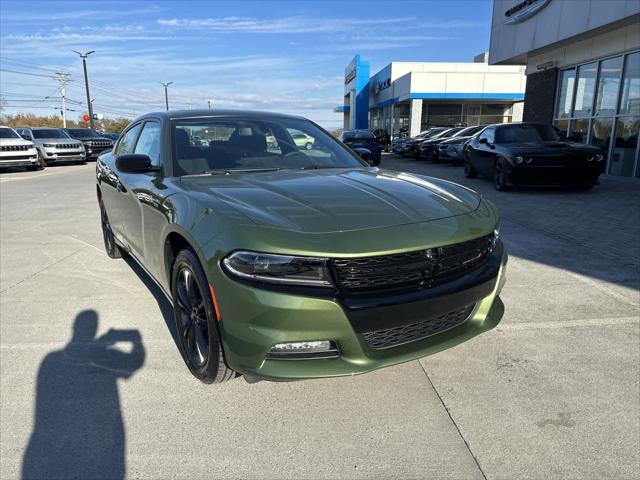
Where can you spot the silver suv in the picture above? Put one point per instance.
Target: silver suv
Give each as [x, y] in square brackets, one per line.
[54, 145]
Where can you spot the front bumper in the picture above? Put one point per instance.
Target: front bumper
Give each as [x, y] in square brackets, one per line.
[23, 159]
[53, 155]
[254, 319]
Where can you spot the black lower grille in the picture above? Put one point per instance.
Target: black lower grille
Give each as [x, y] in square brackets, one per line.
[416, 269]
[391, 337]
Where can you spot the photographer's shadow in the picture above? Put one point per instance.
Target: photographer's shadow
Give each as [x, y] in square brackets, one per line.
[78, 430]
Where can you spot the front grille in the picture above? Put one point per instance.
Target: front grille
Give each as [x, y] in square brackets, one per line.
[68, 146]
[14, 148]
[416, 269]
[100, 144]
[392, 337]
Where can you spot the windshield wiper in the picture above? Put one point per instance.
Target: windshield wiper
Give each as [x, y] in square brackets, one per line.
[315, 167]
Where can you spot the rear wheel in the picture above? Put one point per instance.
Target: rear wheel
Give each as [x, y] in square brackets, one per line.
[500, 175]
[110, 245]
[469, 171]
[196, 320]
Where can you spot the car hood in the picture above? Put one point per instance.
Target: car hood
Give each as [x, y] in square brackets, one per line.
[58, 141]
[334, 200]
[457, 139]
[15, 141]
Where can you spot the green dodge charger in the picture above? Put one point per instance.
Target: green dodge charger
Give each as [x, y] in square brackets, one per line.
[285, 262]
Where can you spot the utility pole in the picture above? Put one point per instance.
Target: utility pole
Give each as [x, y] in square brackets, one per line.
[84, 56]
[209, 102]
[63, 78]
[166, 94]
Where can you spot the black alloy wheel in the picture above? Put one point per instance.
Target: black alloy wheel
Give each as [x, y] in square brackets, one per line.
[110, 245]
[500, 175]
[469, 171]
[196, 320]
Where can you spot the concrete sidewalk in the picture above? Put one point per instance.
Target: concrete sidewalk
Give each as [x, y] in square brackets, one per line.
[551, 393]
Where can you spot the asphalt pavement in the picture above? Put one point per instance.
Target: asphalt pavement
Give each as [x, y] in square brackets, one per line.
[552, 392]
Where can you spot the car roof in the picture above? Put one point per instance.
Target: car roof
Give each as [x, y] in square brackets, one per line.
[206, 113]
[44, 128]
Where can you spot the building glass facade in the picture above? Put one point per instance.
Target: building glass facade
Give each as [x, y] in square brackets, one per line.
[599, 103]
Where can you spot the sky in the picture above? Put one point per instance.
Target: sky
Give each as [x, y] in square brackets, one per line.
[286, 56]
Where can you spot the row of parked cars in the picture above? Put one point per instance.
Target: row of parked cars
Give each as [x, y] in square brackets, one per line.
[36, 147]
[512, 154]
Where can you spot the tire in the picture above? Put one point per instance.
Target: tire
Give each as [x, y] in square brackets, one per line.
[41, 161]
[110, 245]
[469, 171]
[308, 145]
[80, 162]
[197, 321]
[34, 168]
[500, 176]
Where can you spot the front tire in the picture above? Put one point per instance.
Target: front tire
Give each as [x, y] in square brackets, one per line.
[110, 245]
[500, 175]
[197, 321]
[469, 171]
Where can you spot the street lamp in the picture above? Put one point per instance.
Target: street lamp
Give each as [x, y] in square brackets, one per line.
[166, 94]
[84, 56]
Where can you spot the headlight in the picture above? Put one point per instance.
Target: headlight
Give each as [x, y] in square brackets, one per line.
[280, 269]
[48, 145]
[519, 159]
[88, 143]
[597, 158]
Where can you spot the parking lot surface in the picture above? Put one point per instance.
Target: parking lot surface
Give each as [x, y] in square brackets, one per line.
[552, 392]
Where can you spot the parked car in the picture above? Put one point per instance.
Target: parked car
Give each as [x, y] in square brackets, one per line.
[294, 264]
[531, 154]
[429, 148]
[399, 143]
[412, 144]
[302, 140]
[364, 139]
[54, 145]
[452, 149]
[94, 143]
[110, 135]
[383, 138]
[15, 151]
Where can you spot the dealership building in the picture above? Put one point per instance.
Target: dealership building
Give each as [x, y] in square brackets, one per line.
[582, 63]
[411, 96]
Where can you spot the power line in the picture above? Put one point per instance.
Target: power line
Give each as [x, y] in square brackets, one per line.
[25, 73]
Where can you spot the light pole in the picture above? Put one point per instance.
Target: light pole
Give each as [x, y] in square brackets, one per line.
[84, 56]
[166, 94]
[209, 102]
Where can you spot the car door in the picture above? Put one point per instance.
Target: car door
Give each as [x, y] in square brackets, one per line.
[145, 195]
[484, 152]
[114, 188]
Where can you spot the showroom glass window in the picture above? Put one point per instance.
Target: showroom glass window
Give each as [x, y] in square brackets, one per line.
[599, 103]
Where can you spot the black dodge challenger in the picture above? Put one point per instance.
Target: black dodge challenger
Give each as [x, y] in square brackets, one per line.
[531, 154]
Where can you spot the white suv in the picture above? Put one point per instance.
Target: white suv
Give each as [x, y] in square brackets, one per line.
[17, 152]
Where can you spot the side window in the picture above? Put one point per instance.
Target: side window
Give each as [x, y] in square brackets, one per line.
[127, 141]
[489, 134]
[149, 142]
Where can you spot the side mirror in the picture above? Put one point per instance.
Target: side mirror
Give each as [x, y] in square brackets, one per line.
[484, 140]
[135, 163]
[364, 154]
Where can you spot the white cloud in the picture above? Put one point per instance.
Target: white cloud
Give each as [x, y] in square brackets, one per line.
[278, 25]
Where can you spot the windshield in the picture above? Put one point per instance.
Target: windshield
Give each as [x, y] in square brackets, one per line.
[526, 133]
[432, 132]
[83, 133]
[466, 132]
[228, 145]
[365, 134]
[8, 133]
[49, 133]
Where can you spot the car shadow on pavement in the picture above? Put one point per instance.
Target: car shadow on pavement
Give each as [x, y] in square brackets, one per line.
[79, 430]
